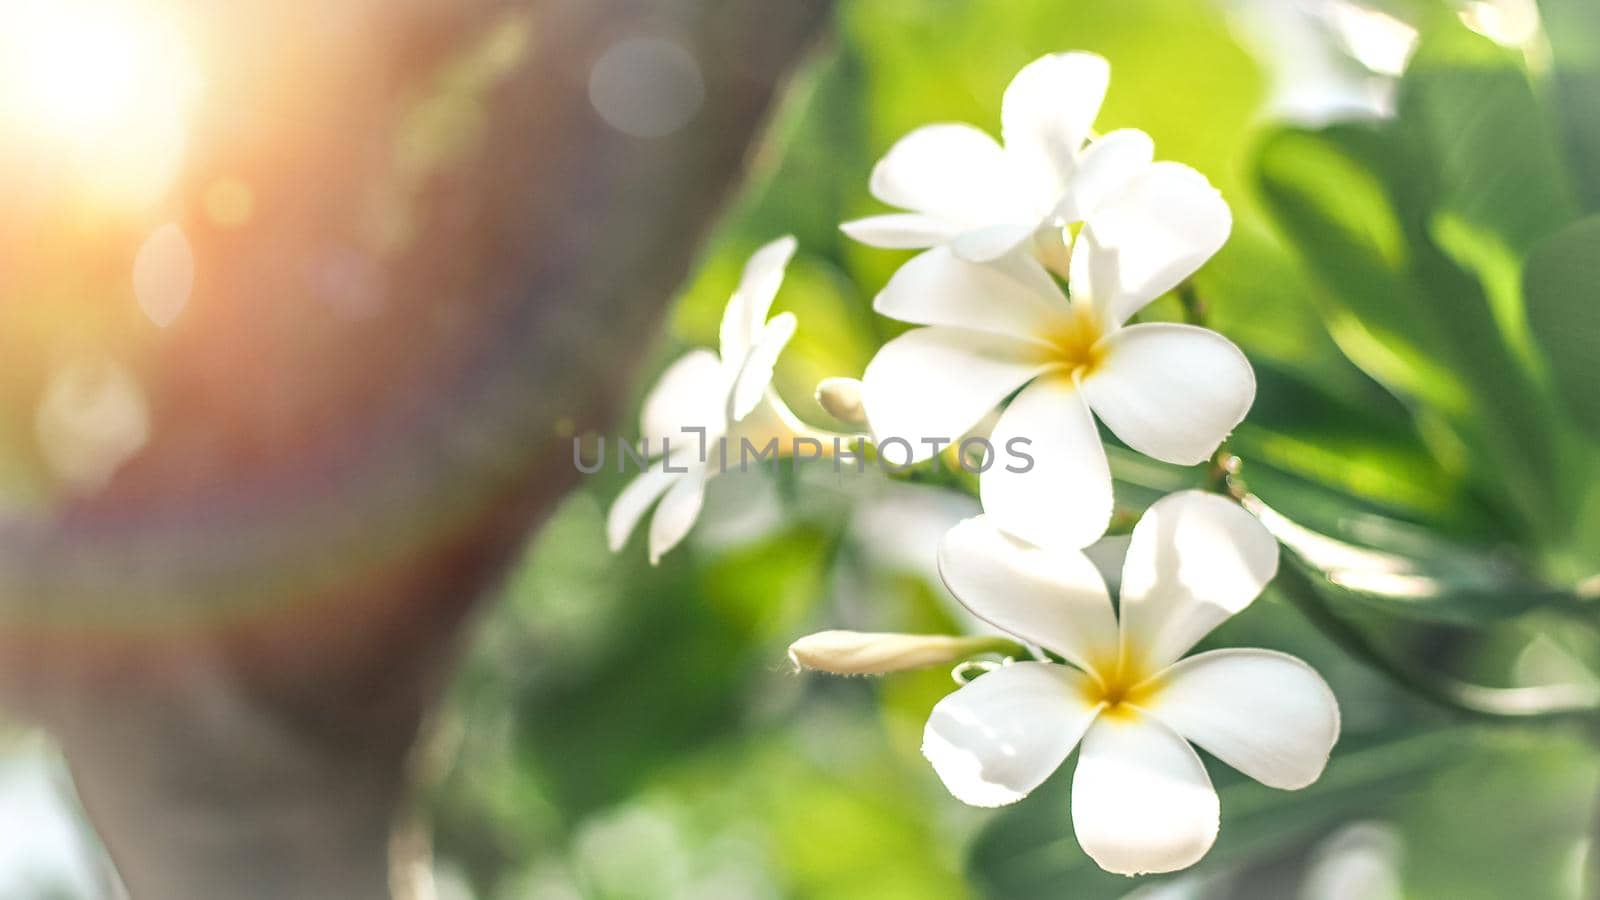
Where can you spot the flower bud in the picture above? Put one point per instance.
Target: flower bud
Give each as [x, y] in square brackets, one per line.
[841, 398]
[865, 653]
[1052, 246]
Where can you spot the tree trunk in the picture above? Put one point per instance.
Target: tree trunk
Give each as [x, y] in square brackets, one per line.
[356, 425]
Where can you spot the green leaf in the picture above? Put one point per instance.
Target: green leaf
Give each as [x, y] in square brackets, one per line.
[1410, 572]
[1354, 201]
[1329, 193]
[1030, 851]
[1562, 285]
[1506, 823]
[1367, 448]
[1573, 29]
[1469, 109]
[766, 587]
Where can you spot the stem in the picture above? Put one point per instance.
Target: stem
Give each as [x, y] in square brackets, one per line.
[1523, 703]
[1563, 701]
[1194, 308]
[1592, 871]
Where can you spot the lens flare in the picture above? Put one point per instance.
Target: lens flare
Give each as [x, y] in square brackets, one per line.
[100, 90]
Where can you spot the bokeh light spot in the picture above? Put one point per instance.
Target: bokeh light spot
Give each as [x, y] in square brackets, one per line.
[646, 87]
[163, 274]
[92, 418]
[230, 202]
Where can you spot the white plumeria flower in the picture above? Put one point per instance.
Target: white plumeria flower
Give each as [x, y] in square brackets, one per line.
[1170, 391]
[984, 200]
[728, 394]
[1141, 799]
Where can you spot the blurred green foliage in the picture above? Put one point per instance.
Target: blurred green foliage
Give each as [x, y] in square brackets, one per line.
[1417, 295]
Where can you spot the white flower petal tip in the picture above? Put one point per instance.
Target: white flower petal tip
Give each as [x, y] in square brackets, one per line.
[747, 309]
[1172, 392]
[939, 287]
[1061, 496]
[634, 501]
[995, 740]
[676, 513]
[899, 231]
[1054, 600]
[763, 272]
[1142, 802]
[1158, 229]
[783, 250]
[1049, 107]
[755, 374]
[1265, 713]
[1195, 560]
[689, 394]
[934, 384]
[918, 173]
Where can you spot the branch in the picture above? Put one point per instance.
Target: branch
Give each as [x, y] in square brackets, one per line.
[238, 640]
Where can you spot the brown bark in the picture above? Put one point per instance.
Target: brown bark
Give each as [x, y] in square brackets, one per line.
[238, 640]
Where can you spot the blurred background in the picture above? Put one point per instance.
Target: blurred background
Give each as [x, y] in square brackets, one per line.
[1398, 172]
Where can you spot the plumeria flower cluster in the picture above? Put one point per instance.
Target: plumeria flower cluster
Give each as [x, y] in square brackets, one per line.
[963, 190]
[1036, 255]
[1001, 323]
[706, 401]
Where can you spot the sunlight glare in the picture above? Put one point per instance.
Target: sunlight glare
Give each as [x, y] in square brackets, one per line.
[104, 87]
[1375, 39]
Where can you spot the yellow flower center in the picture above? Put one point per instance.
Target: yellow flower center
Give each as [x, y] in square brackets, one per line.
[1121, 687]
[1078, 342]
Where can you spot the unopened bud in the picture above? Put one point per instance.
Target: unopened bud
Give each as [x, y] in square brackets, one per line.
[865, 653]
[1052, 246]
[841, 398]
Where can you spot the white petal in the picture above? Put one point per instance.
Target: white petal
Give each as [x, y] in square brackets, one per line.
[993, 241]
[900, 231]
[635, 499]
[1171, 391]
[1049, 110]
[1195, 559]
[1064, 499]
[678, 510]
[751, 383]
[939, 288]
[1107, 168]
[1141, 799]
[1267, 714]
[951, 172]
[1157, 232]
[998, 738]
[752, 300]
[691, 393]
[1054, 599]
[936, 383]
